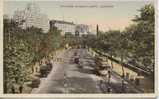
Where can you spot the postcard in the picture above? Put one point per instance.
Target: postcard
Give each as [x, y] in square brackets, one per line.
[79, 47]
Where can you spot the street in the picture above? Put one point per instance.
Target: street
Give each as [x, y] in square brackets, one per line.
[67, 77]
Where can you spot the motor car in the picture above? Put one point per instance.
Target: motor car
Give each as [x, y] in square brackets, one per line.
[35, 82]
[43, 70]
[101, 67]
[76, 60]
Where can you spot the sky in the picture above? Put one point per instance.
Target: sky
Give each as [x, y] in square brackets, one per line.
[107, 14]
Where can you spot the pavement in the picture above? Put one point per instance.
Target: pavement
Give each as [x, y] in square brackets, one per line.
[67, 77]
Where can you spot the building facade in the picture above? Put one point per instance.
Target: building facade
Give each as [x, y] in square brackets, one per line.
[31, 16]
[70, 27]
[65, 27]
[82, 29]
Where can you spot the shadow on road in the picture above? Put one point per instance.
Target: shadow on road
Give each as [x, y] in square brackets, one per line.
[81, 85]
[85, 70]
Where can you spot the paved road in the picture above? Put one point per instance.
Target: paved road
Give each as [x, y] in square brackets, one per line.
[67, 77]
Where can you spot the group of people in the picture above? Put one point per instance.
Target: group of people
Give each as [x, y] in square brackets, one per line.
[104, 84]
[46, 66]
[20, 89]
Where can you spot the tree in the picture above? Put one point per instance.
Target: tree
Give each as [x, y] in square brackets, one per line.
[142, 37]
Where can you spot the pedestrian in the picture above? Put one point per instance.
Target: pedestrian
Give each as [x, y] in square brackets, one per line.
[109, 76]
[123, 86]
[36, 69]
[20, 88]
[40, 62]
[101, 82]
[109, 90]
[13, 89]
[49, 64]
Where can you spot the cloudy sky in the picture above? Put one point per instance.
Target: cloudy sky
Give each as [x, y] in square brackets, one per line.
[108, 14]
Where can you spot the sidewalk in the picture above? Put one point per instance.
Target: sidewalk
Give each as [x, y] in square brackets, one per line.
[45, 82]
[116, 69]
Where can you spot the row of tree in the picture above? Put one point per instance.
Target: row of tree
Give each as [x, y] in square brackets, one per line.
[133, 45]
[24, 47]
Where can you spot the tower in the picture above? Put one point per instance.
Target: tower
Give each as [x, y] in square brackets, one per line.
[97, 30]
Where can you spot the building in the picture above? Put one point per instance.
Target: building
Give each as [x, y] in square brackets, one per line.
[92, 30]
[82, 29]
[70, 27]
[5, 16]
[31, 16]
[65, 27]
[18, 16]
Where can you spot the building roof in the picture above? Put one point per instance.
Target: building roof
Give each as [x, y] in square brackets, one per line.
[62, 22]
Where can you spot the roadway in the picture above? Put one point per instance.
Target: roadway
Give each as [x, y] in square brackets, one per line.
[67, 77]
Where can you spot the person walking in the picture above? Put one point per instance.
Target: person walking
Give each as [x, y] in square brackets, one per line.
[109, 76]
[123, 85]
[108, 89]
[20, 88]
[13, 89]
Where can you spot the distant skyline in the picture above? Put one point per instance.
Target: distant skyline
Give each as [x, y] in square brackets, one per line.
[107, 14]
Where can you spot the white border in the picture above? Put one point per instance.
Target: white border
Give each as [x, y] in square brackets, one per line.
[1, 46]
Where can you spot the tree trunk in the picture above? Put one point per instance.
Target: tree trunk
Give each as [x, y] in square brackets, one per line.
[5, 80]
[123, 72]
[112, 62]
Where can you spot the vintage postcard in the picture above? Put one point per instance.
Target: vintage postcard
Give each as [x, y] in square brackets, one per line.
[79, 47]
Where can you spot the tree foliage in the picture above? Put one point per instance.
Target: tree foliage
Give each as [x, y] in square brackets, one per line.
[135, 44]
[24, 47]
